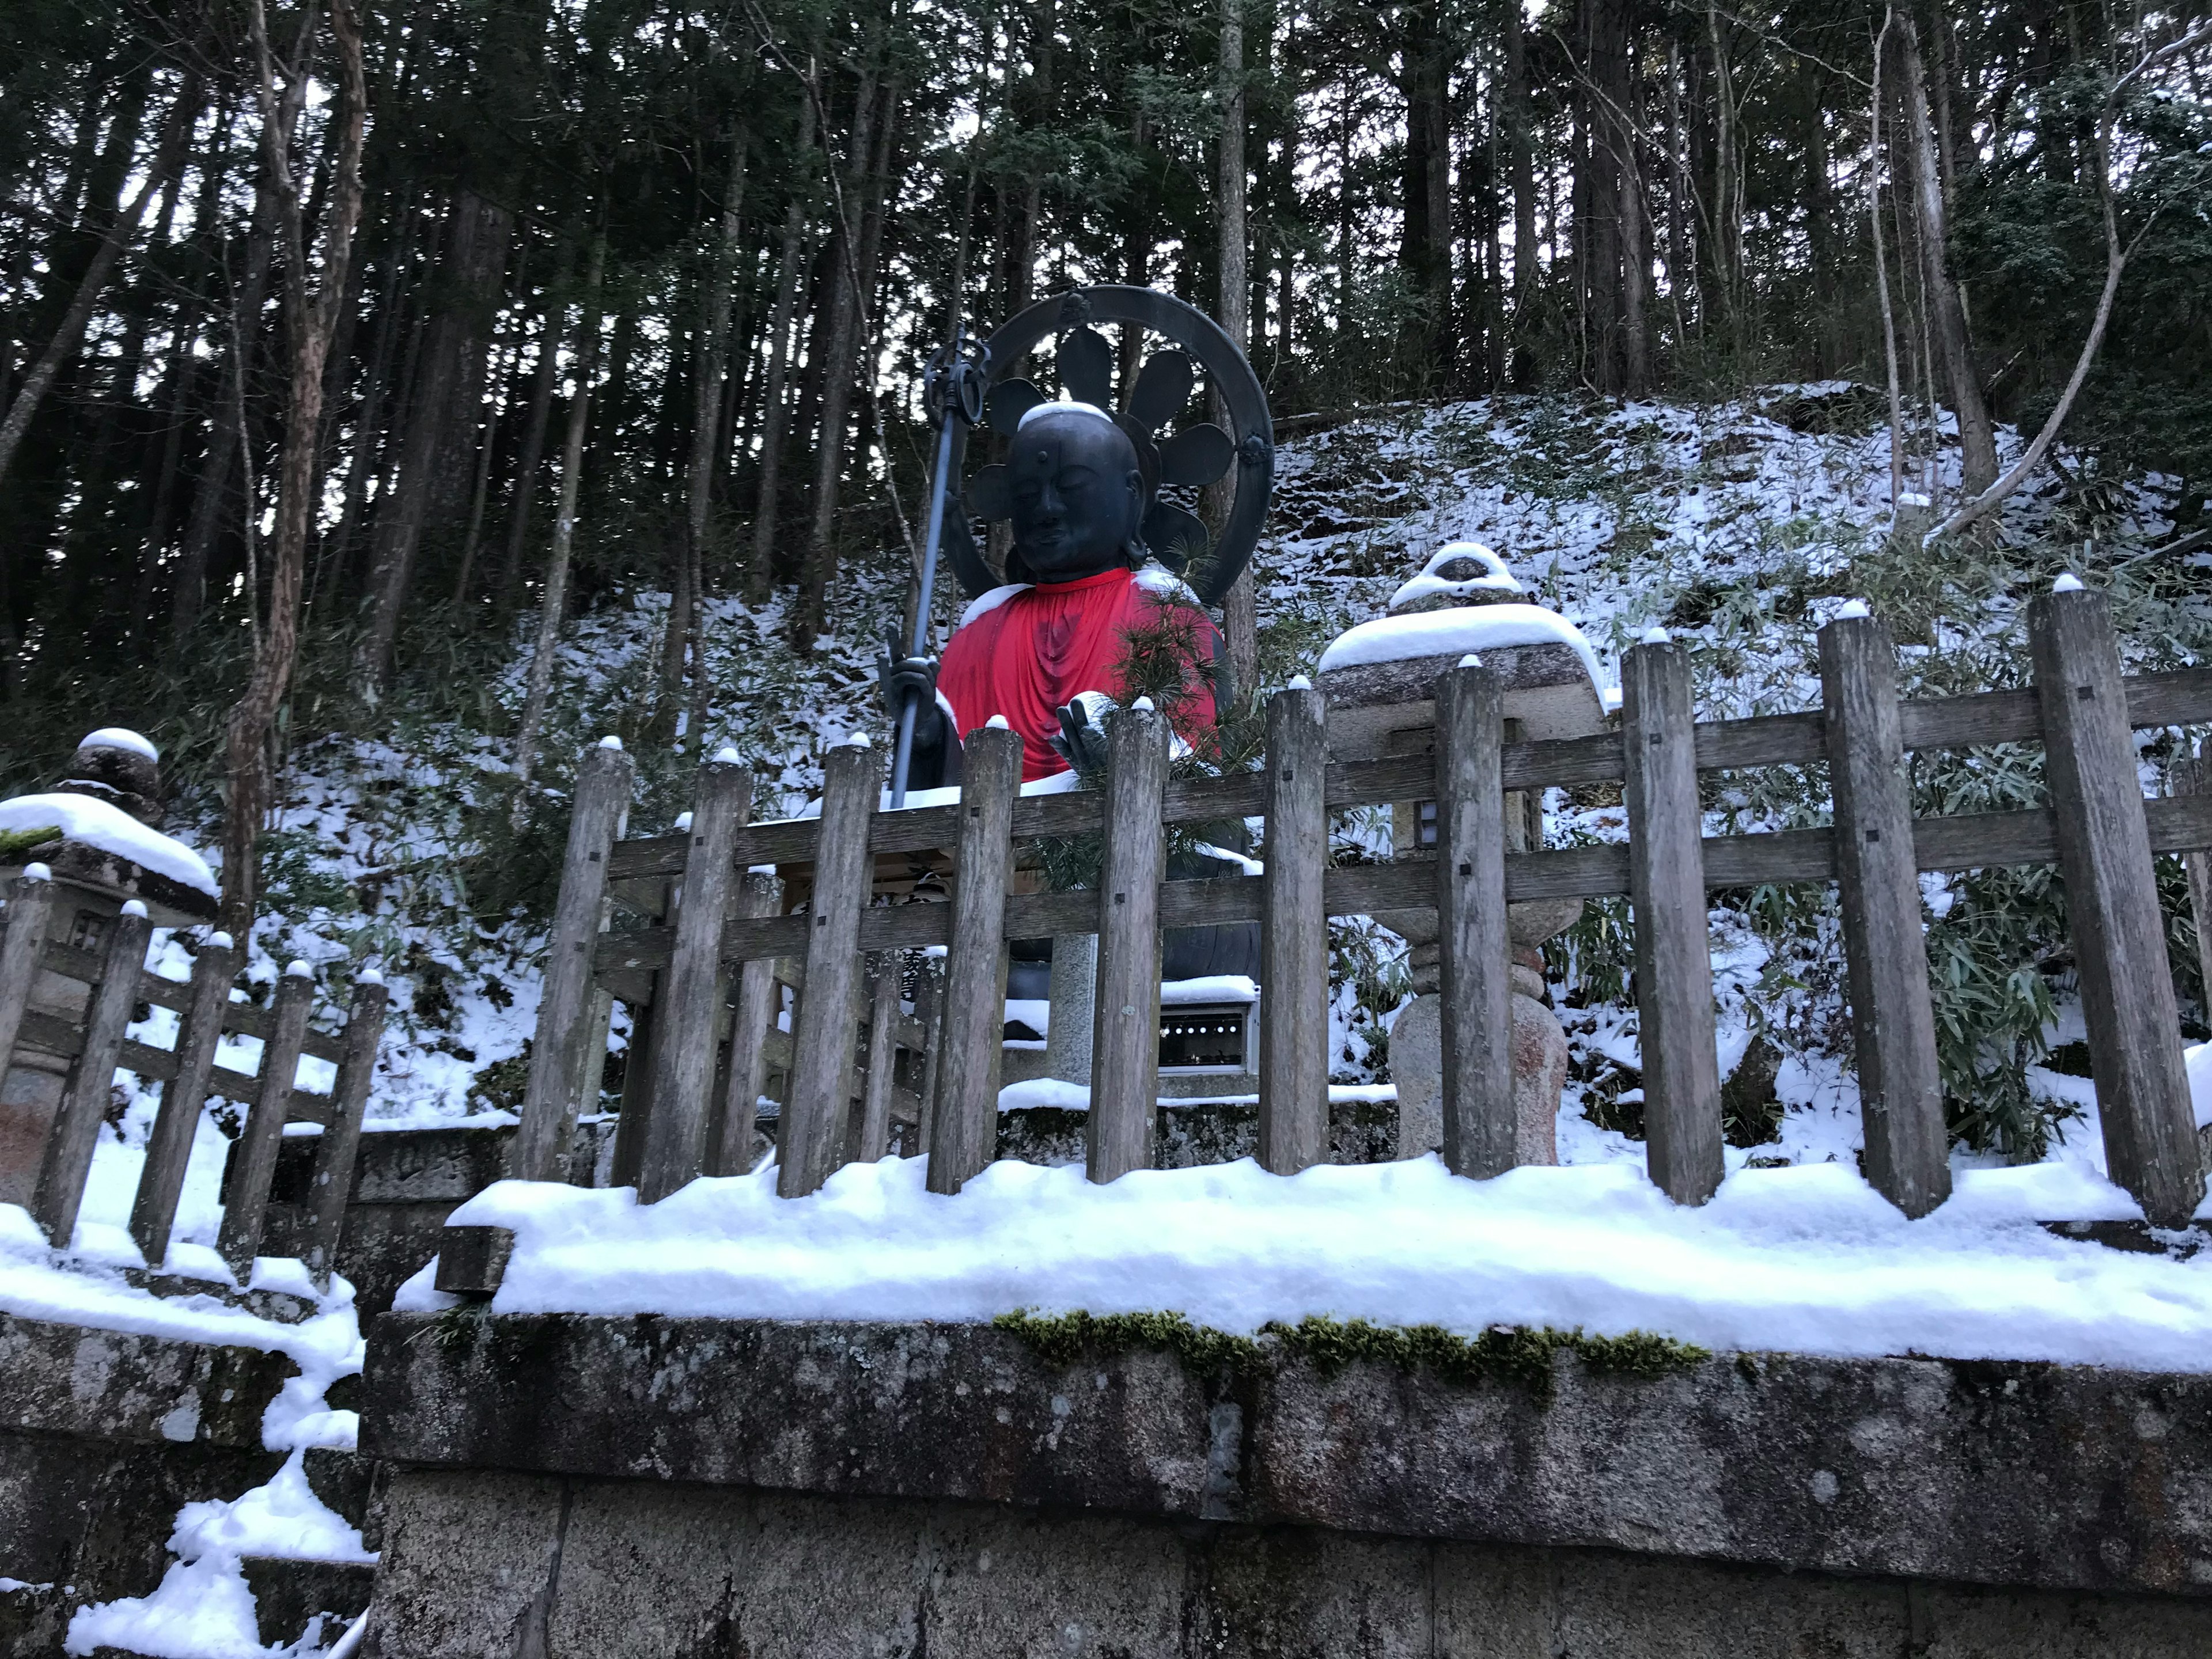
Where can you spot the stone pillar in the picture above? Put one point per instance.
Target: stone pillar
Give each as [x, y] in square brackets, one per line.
[1068, 1038]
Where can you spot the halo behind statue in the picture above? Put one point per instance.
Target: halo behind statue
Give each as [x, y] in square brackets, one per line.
[1194, 457]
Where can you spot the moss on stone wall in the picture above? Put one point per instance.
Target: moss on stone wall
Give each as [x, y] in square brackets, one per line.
[1504, 1353]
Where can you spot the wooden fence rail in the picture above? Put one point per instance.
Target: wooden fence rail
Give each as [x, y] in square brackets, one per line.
[2098, 828]
[98, 1046]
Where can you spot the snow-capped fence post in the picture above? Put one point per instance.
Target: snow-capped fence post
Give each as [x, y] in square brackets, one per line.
[253, 1162]
[964, 1126]
[871, 1135]
[730, 1138]
[75, 1130]
[562, 1070]
[340, 1141]
[2112, 906]
[1877, 878]
[169, 1146]
[1482, 1127]
[690, 999]
[1126, 1027]
[822, 1037]
[1667, 888]
[30, 913]
[1294, 936]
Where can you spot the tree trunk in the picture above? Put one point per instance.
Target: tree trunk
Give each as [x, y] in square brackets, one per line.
[309, 325]
[176, 132]
[542, 380]
[779, 366]
[1947, 315]
[445, 350]
[1521, 163]
[714, 359]
[556, 593]
[1239, 612]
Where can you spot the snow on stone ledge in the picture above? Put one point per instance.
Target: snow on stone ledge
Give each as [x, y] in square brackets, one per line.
[94, 823]
[1807, 1260]
[1454, 633]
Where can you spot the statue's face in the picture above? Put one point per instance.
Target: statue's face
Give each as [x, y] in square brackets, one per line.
[1077, 496]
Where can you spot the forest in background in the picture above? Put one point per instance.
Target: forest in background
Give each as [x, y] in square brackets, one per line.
[335, 339]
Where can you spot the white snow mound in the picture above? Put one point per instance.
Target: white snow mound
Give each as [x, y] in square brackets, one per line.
[1455, 634]
[96, 823]
[1807, 1259]
[121, 736]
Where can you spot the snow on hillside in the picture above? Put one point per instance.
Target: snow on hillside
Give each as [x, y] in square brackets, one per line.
[1741, 524]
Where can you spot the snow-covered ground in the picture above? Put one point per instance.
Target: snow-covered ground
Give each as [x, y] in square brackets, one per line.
[203, 1608]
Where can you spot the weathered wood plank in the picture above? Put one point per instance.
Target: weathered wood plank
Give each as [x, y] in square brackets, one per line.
[729, 1142]
[872, 1128]
[1674, 962]
[560, 1069]
[338, 1145]
[1294, 936]
[2174, 697]
[2111, 908]
[965, 1123]
[1481, 1129]
[2193, 779]
[169, 1145]
[76, 1132]
[238, 1018]
[1892, 1022]
[691, 994]
[245, 1201]
[1126, 1029]
[823, 1034]
[22, 947]
[929, 1014]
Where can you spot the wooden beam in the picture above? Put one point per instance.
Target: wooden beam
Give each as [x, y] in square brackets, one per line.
[245, 1201]
[2112, 909]
[1673, 960]
[76, 1132]
[1125, 1040]
[1893, 1023]
[1294, 938]
[823, 1034]
[1482, 1126]
[331, 1186]
[691, 997]
[964, 1123]
[169, 1146]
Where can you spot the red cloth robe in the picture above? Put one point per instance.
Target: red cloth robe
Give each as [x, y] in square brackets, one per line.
[1026, 656]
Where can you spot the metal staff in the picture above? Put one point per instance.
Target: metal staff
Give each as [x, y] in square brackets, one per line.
[953, 388]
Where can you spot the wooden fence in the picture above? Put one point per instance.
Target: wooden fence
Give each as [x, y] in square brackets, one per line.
[711, 931]
[189, 1074]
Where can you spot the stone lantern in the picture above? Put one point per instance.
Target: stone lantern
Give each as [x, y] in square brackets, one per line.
[1379, 679]
[94, 832]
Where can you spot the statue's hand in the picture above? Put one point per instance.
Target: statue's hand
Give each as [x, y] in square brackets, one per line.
[902, 676]
[1082, 736]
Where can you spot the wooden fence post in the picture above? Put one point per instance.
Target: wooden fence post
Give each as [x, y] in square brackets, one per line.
[561, 1075]
[1294, 938]
[730, 1143]
[1674, 957]
[2111, 907]
[2194, 777]
[1481, 1124]
[336, 1147]
[871, 1135]
[690, 991]
[76, 1132]
[169, 1147]
[929, 1014]
[246, 1204]
[1126, 1027]
[23, 945]
[821, 1036]
[964, 1131]
[1877, 878]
